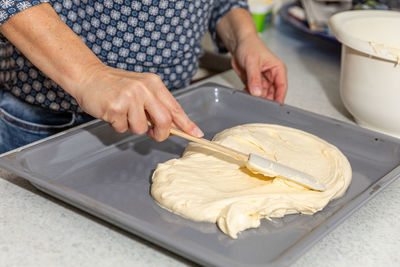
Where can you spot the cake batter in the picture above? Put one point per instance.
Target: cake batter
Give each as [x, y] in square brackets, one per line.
[205, 185]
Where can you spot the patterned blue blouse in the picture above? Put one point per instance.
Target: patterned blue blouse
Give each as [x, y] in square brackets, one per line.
[156, 36]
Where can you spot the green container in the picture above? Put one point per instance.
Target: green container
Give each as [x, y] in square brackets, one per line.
[262, 21]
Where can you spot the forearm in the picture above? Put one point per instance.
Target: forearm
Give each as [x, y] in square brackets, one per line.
[236, 26]
[50, 45]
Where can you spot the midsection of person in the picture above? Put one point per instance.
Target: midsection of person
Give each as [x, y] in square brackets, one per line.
[161, 37]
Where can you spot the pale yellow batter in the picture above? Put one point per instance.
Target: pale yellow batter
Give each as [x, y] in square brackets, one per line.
[205, 185]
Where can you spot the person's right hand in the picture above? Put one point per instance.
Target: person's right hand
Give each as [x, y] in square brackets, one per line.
[127, 99]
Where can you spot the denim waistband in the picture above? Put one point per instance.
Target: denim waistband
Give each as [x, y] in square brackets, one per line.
[19, 110]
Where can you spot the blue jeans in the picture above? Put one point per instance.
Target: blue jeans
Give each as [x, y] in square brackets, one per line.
[22, 123]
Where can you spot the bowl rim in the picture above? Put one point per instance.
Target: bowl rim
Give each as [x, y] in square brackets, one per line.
[337, 24]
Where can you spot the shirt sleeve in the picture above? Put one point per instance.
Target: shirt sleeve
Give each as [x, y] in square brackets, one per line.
[220, 9]
[9, 8]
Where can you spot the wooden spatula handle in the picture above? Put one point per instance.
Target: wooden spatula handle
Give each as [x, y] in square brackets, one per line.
[226, 150]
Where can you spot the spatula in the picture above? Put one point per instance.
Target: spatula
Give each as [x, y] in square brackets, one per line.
[257, 164]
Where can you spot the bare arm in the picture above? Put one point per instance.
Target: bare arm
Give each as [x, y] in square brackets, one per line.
[122, 98]
[263, 73]
[50, 45]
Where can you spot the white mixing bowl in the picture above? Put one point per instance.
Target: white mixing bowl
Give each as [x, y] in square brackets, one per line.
[370, 70]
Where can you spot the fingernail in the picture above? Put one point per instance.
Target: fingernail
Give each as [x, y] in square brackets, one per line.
[197, 132]
[256, 91]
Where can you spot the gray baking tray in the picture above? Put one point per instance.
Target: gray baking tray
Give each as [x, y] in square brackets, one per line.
[109, 175]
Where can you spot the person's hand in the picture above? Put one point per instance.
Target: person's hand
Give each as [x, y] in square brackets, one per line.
[261, 71]
[127, 99]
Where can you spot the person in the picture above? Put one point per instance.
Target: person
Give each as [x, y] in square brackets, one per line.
[65, 62]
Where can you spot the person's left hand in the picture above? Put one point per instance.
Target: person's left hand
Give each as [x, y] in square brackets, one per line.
[261, 71]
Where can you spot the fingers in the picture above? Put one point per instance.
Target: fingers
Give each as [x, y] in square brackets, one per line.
[119, 125]
[181, 120]
[270, 94]
[116, 116]
[280, 85]
[274, 84]
[160, 117]
[239, 71]
[178, 116]
[267, 88]
[253, 73]
[137, 120]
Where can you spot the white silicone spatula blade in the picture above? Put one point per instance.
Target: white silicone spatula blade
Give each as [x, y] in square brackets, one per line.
[271, 168]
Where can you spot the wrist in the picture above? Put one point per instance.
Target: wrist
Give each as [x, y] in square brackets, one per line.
[236, 27]
[79, 79]
[247, 37]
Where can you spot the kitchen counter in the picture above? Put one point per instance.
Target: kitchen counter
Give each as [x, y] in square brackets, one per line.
[39, 230]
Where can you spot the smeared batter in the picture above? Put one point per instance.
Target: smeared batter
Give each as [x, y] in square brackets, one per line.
[205, 185]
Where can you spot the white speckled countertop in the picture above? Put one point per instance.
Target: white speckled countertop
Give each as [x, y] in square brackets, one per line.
[39, 230]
